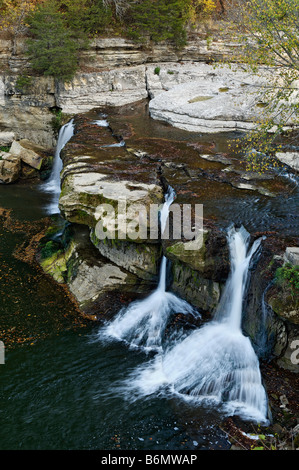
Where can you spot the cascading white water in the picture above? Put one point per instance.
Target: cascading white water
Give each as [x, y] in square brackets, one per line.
[101, 123]
[53, 184]
[143, 322]
[216, 364]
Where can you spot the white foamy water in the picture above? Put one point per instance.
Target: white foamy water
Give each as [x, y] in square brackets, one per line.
[118, 144]
[101, 123]
[142, 323]
[216, 364]
[53, 184]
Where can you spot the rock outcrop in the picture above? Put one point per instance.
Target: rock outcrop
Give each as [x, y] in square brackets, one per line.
[90, 277]
[24, 160]
[10, 168]
[99, 171]
[207, 98]
[25, 113]
[289, 158]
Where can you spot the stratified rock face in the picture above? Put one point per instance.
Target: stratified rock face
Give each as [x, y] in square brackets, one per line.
[103, 187]
[25, 113]
[142, 259]
[202, 292]
[109, 88]
[115, 75]
[272, 319]
[211, 259]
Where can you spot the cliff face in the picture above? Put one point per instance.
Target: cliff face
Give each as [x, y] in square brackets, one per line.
[112, 72]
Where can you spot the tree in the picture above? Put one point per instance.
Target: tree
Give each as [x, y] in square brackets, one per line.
[269, 33]
[119, 6]
[53, 49]
[86, 17]
[161, 20]
[13, 17]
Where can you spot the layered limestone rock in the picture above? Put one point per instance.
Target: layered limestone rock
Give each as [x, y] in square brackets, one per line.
[272, 319]
[113, 72]
[25, 113]
[204, 98]
[204, 44]
[115, 87]
[76, 262]
[101, 189]
[84, 195]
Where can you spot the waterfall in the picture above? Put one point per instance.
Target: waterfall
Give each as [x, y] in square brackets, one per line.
[216, 364]
[143, 322]
[53, 184]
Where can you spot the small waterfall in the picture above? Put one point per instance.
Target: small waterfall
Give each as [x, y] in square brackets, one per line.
[143, 322]
[216, 364]
[53, 184]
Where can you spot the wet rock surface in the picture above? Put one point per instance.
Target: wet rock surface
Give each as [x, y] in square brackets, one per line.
[132, 147]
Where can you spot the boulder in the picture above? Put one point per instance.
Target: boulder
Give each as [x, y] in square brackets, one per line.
[85, 194]
[28, 152]
[289, 158]
[72, 259]
[10, 167]
[292, 255]
[6, 138]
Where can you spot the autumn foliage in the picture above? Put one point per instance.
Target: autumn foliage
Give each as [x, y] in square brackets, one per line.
[14, 14]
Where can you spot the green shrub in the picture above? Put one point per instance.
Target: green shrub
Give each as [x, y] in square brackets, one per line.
[288, 275]
[57, 119]
[23, 83]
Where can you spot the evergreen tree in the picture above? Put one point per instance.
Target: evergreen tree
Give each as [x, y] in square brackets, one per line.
[86, 16]
[53, 49]
[159, 20]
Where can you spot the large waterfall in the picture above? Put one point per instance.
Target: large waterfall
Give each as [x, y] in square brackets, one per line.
[53, 184]
[215, 365]
[143, 323]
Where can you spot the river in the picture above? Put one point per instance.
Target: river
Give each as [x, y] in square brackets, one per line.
[59, 384]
